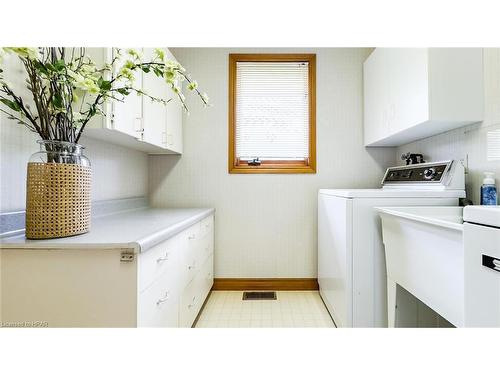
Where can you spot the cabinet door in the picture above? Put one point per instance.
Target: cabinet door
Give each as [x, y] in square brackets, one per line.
[174, 119]
[192, 254]
[155, 114]
[206, 278]
[376, 95]
[158, 305]
[190, 303]
[127, 115]
[162, 258]
[408, 88]
[99, 56]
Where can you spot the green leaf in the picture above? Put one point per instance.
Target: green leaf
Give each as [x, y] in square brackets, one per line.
[123, 91]
[145, 69]
[103, 84]
[158, 72]
[57, 101]
[40, 67]
[59, 65]
[11, 104]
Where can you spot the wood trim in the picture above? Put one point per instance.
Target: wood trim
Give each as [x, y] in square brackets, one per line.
[265, 284]
[274, 163]
[234, 166]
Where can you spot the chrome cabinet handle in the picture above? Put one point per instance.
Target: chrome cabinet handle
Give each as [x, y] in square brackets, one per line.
[162, 259]
[193, 266]
[192, 237]
[162, 300]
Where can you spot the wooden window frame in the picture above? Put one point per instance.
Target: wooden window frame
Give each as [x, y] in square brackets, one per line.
[267, 166]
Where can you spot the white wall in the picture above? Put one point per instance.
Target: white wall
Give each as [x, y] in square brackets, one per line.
[266, 224]
[480, 143]
[117, 172]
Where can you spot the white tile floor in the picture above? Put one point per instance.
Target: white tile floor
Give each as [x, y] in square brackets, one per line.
[291, 309]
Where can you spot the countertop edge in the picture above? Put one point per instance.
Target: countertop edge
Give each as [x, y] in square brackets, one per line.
[139, 245]
[148, 242]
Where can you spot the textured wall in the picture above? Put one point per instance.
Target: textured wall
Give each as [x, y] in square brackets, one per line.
[117, 172]
[266, 224]
[478, 143]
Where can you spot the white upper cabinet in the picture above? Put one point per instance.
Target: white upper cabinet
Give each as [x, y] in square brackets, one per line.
[173, 136]
[155, 114]
[162, 124]
[137, 122]
[127, 115]
[413, 93]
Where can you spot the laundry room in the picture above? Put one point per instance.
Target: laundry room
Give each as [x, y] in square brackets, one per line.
[248, 188]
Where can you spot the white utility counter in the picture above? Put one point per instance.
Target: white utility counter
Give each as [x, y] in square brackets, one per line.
[138, 229]
[142, 267]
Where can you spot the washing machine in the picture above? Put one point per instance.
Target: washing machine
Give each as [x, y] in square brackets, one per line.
[482, 266]
[351, 258]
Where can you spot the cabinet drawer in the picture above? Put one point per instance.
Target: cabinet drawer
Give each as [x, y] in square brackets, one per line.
[206, 277]
[190, 304]
[161, 259]
[195, 294]
[207, 226]
[191, 258]
[158, 305]
[207, 248]
[193, 232]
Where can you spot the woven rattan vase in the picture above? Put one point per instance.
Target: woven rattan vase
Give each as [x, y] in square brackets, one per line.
[58, 191]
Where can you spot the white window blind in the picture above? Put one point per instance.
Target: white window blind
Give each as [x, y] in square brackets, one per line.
[272, 110]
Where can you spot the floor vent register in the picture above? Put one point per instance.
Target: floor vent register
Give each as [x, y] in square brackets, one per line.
[252, 296]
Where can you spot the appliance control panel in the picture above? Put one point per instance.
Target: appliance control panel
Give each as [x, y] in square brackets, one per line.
[417, 173]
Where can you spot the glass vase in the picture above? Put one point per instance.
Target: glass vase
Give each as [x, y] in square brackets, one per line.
[58, 191]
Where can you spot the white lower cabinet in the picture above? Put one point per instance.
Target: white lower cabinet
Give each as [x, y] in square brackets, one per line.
[164, 286]
[158, 306]
[196, 292]
[187, 281]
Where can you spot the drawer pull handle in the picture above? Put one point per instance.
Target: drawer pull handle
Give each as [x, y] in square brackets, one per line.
[496, 263]
[490, 262]
[192, 267]
[162, 259]
[162, 300]
[192, 237]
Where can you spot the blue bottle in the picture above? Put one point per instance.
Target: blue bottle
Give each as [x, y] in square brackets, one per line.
[489, 190]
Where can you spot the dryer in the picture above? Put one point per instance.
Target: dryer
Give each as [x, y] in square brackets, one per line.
[351, 258]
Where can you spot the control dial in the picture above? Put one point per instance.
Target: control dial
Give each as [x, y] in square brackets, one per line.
[429, 173]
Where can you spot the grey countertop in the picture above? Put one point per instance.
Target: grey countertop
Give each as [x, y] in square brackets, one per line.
[137, 229]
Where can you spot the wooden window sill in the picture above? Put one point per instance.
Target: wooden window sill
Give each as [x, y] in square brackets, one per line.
[267, 169]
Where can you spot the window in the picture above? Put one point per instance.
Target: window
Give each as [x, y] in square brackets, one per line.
[272, 113]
